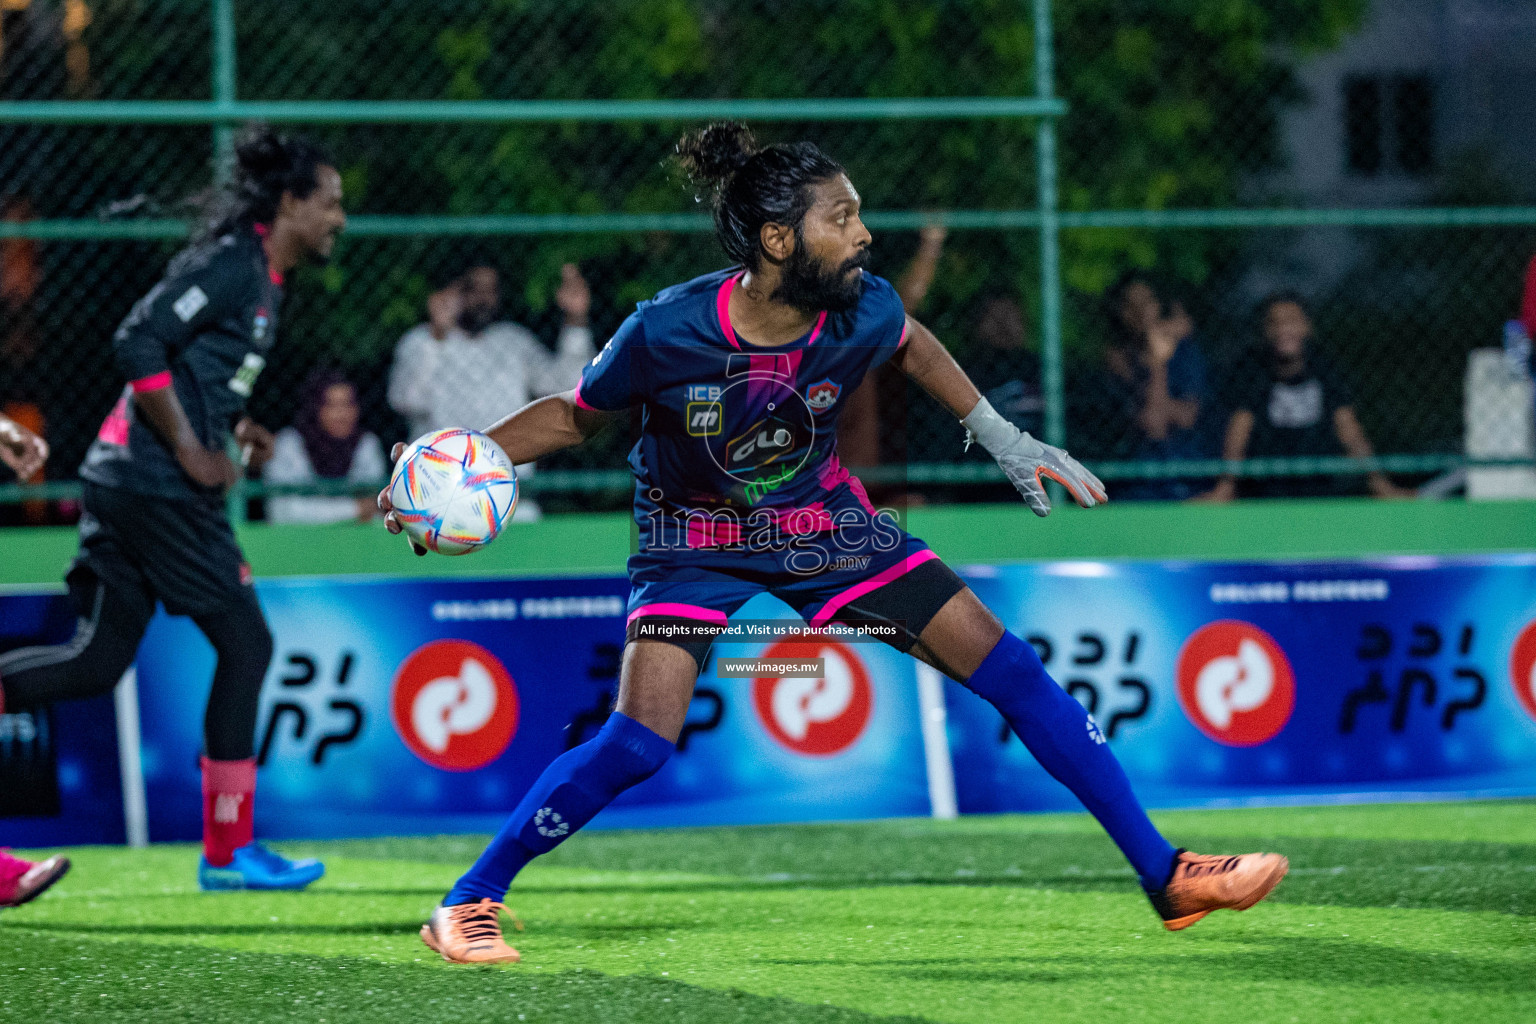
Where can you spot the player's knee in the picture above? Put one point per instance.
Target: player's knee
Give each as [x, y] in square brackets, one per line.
[1009, 671]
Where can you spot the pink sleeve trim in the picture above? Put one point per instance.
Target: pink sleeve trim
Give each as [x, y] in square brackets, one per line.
[906, 325]
[154, 382]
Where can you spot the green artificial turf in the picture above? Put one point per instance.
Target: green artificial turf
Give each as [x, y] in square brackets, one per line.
[1390, 914]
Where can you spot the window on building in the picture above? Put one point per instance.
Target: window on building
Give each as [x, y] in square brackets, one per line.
[1389, 124]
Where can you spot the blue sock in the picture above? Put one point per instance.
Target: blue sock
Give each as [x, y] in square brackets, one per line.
[1069, 745]
[575, 786]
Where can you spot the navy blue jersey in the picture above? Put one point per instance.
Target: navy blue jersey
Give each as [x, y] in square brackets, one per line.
[729, 428]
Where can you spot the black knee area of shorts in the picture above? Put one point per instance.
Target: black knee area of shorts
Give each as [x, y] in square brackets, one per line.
[243, 643]
[910, 602]
[112, 620]
[696, 646]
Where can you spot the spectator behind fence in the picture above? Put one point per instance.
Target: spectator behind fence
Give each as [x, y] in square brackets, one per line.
[325, 443]
[1003, 368]
[1157, 382]
[1287, 400]
[466, 368]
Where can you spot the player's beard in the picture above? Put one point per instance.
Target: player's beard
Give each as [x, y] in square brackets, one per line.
[808, 285]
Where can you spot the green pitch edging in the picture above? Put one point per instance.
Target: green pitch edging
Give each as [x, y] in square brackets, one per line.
[592, 544]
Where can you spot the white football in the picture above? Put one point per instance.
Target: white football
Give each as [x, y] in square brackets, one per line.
[453, 490]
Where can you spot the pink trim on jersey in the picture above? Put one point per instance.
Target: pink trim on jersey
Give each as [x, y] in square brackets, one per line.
[906, 325]
[154, 382]
[833, 472]
[704, 532]
[679, 611]
[114, 429]
[816, 331]
[264, 231]
[582, 401]
[723, 309]
[896, 571]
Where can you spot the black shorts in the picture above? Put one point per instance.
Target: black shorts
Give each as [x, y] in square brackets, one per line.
[179, 551]
[908, 602]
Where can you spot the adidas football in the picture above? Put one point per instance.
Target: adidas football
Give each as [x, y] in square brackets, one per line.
[453, 490]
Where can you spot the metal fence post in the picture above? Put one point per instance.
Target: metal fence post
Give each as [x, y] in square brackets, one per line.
[223, 85]
[1050, 234]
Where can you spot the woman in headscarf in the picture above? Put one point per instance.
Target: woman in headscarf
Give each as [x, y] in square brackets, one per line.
[325, 443]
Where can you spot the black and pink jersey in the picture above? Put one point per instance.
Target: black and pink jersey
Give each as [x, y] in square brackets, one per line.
[730, 426]
[205, 330]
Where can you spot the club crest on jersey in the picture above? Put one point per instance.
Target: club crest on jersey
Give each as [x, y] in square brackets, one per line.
[822, 395]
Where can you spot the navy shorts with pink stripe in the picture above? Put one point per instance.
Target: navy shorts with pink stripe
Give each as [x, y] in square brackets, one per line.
[856, 574]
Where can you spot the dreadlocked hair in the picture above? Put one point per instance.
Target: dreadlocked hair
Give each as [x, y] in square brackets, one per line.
[748, 186]
[266, 166]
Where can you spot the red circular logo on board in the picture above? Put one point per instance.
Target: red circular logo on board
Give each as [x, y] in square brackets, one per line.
[815, 717]
[1235, 683]
[1522, 668]
[454, 705]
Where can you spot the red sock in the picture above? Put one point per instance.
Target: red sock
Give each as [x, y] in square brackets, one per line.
[229, 791]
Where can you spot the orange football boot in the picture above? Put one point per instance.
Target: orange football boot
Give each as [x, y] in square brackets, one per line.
[22, 881]
[1201, 884]
[469, 933]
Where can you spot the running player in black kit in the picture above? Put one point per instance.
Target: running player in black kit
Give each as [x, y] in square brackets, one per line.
[154, 526]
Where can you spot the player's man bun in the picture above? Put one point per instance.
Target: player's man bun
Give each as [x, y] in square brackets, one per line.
[712, 154]
[267, 164]
[749, 186]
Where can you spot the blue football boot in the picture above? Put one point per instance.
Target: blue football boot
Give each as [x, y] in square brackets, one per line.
[256, 867]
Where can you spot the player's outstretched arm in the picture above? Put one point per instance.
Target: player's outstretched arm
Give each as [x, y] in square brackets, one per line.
[1022, 458]
[544, 427]
[537, 429]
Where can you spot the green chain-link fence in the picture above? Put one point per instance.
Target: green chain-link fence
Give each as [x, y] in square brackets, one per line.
[531, 133]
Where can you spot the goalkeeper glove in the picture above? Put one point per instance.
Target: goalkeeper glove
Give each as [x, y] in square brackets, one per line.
[1025, 461]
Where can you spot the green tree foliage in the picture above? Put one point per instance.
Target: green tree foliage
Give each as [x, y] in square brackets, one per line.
[1172, 102]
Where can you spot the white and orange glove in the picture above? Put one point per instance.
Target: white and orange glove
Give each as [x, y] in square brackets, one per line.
[1025, 461]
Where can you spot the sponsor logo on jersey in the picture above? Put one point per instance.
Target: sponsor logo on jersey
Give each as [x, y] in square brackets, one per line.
[822, 395]
[1522, 668]
[455, 705]
[816, 717]
[192, 300]
[1235, 683]
[245, 377]
[704, 392]
[704, 418]
[764, 441]
[260, 324]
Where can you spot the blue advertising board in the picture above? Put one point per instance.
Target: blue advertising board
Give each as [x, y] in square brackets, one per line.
[59, 780]
[1240, 683]
[397, 707]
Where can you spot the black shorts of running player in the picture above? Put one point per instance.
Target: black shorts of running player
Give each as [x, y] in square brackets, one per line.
[899, 584]
[134, 550]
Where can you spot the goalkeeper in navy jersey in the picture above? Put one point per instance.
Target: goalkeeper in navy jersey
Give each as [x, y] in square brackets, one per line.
[154, 526]
[738, 377]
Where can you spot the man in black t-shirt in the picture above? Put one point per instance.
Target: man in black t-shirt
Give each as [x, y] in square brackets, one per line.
[154, 528]
[1287, 401]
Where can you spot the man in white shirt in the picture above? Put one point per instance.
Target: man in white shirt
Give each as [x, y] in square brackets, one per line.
[465, 368]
